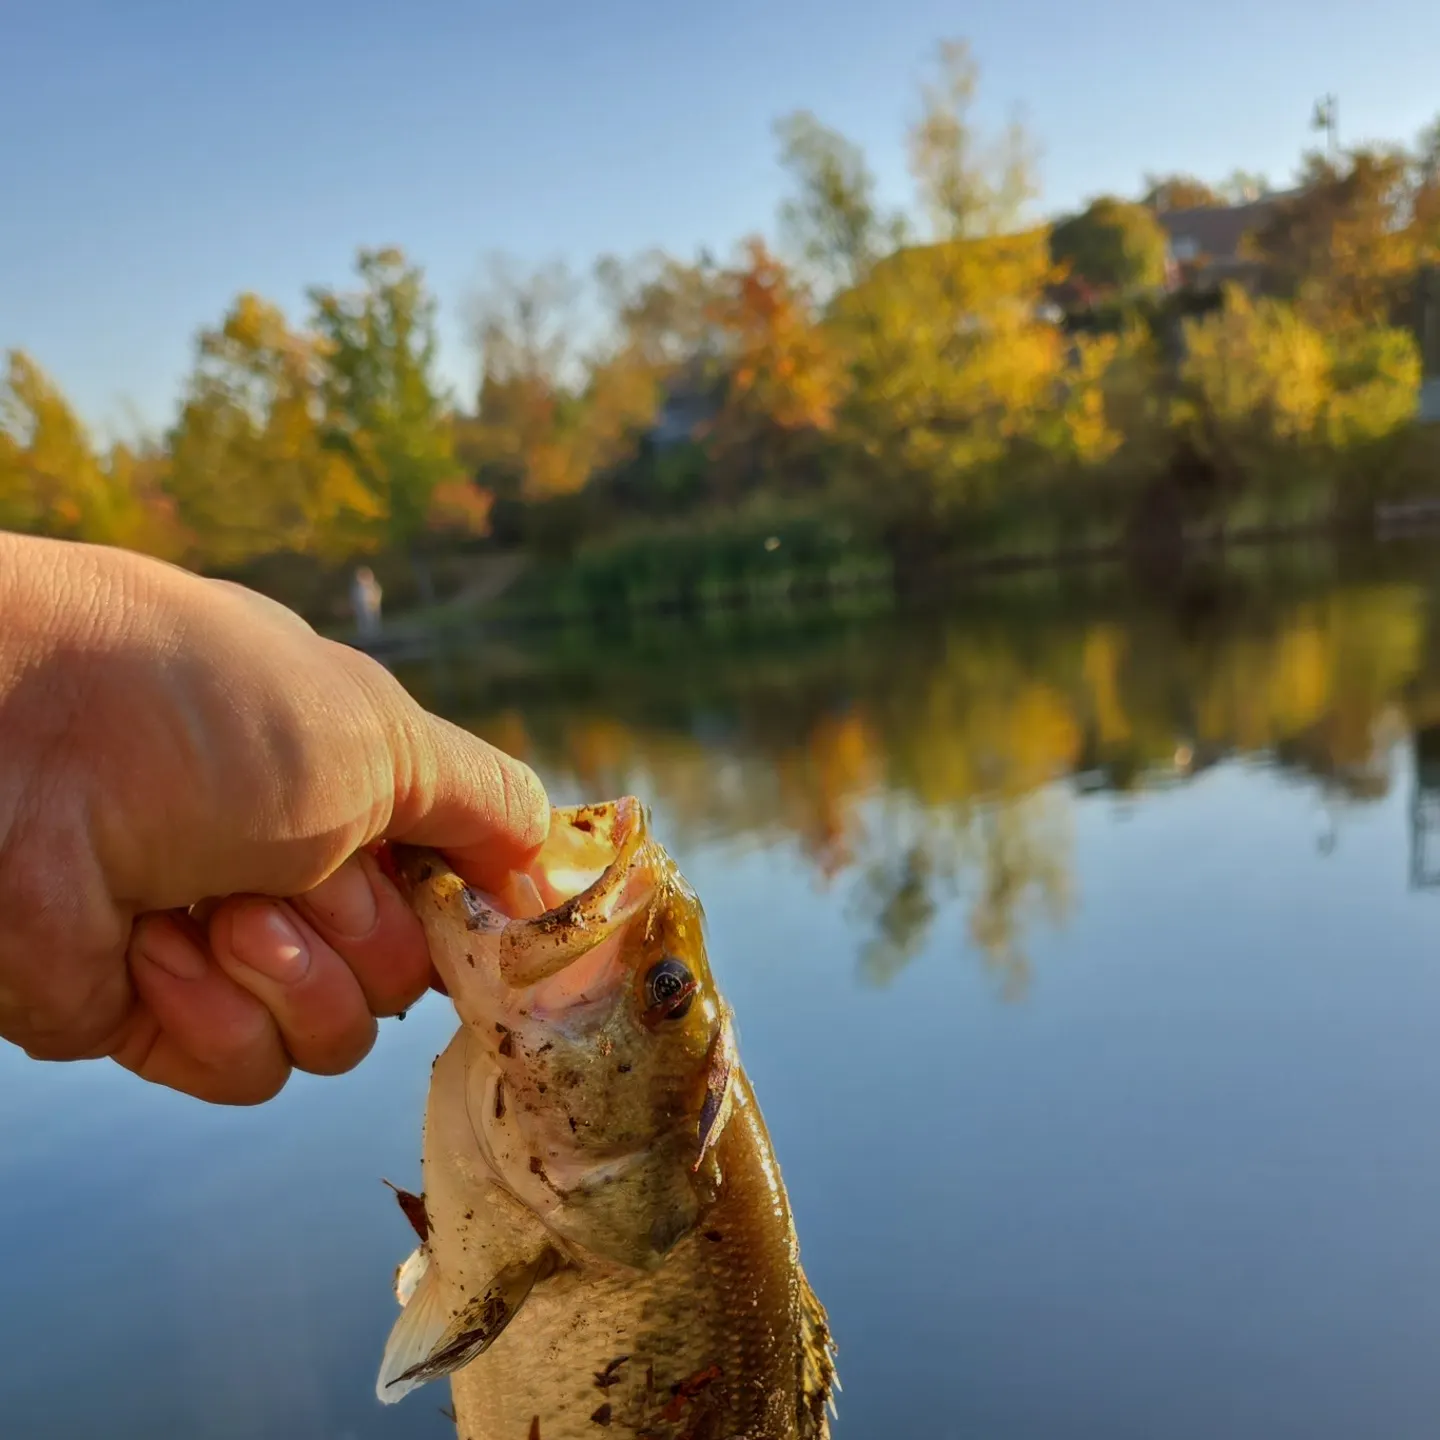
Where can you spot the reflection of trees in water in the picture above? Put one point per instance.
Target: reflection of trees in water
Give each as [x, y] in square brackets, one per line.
[1025, 873]
[895, 898]
[1009, 858]
[930, 762]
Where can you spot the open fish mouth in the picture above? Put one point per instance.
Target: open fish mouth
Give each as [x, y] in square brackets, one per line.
[598, 869]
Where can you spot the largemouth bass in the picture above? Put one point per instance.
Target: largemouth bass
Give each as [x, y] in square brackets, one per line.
[606, 1245]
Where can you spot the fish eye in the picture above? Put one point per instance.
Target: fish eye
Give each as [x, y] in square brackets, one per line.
[669, 990]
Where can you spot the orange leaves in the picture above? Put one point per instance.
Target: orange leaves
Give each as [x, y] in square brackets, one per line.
[785, 371]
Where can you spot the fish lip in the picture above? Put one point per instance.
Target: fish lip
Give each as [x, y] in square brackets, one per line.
[535, 948]
[530, 949]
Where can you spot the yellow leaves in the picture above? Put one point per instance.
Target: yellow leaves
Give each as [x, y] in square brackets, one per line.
[1259, 376]
[1102, 656]
[951, 364]
[1255, 370]
[251, 470]
[1376, 381]
[253, 324]
[622, 402]
[549, 442]
[555, 465]
[54, 478]
[53, 481]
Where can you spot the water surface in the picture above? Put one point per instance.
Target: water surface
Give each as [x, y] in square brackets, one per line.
[1087, 965]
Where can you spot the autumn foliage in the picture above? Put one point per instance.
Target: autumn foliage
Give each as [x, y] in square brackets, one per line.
[893, 371]
[785, 371]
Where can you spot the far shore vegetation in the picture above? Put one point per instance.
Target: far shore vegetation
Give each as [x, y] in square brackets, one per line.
[860, 399]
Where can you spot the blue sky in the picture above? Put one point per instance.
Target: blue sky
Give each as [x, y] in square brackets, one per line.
[161, 155]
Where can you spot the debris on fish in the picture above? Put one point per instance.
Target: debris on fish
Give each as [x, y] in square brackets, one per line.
[605, 1239]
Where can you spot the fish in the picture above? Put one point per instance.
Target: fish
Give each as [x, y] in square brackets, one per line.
[605, 1240]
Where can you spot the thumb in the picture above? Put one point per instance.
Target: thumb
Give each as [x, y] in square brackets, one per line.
[487, 811]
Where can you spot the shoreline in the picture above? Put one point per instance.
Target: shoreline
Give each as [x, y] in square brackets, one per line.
[415, 635]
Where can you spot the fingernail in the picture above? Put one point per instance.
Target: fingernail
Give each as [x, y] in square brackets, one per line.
[164, 946]
[262, 938]
[345, 903]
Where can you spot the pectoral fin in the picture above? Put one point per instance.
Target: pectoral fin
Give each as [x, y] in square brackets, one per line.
[417, 1331]
[719, 1088]
[425, 1350]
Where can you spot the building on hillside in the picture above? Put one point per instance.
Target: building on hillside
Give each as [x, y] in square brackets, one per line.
[692, 399]
[1207, 241]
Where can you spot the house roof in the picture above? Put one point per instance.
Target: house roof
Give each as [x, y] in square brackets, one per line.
[1217, 230]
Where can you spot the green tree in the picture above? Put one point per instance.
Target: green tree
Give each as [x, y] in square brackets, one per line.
[1112, 244]
[383, 408]
[833, 220]
[1240, 187]
[970, 184]
[1178, 192]
[250, 469]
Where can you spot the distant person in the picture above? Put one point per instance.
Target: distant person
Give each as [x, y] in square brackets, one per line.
[365, 597]
[166, 741]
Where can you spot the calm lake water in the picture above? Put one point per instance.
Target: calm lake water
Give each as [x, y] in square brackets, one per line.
[1086, 952]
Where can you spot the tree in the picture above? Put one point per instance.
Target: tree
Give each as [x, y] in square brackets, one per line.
[1258, 379]
[1178, 192]
[527, 439]
[251, 471]
[53, 481]
[1241, 187]
[1425, 204]
[832, 220]
[971, 186]
[383, 409]
[1113, 245]
[661, 306]
[1427, 152]
[1342, 247]
[785, 376]
[549, 417]
[950, 366]
[522, 324]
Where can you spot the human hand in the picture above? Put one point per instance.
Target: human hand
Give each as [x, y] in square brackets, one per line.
[189, 779]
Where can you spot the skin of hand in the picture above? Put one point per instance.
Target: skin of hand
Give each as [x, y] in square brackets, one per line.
[189, 781]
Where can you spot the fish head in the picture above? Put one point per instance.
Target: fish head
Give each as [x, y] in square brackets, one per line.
[601, 1053]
